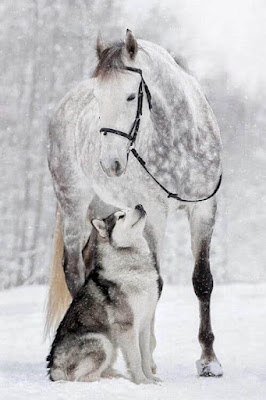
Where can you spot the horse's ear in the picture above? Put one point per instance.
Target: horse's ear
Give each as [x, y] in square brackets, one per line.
[99, 225]
[131, 45]
[101, 45]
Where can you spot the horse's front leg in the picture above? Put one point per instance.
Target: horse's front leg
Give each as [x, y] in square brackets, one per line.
[73, 263]
[74, 221]
[202, 218]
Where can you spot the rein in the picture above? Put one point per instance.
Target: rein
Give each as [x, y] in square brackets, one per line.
[132, 135]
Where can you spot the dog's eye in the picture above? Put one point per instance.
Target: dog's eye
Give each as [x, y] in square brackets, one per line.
[131, 97]
[121, 216]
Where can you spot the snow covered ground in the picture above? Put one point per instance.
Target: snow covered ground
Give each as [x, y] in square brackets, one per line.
[239, 323]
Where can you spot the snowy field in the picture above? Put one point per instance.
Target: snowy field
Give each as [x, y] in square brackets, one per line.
[239, 323]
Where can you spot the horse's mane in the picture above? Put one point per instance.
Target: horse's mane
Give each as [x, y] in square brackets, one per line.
[182, 62]
[110, 61]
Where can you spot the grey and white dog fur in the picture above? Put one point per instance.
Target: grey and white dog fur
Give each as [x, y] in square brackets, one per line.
[115, 307]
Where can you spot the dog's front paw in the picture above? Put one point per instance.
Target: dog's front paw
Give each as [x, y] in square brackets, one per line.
[153, 379]
[145, 381]
[156, 379]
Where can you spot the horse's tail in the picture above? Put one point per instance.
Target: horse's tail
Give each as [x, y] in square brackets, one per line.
[59, 297]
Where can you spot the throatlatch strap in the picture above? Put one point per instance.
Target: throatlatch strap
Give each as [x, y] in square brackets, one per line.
[172, 195]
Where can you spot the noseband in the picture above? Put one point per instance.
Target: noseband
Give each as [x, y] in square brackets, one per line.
[132, 135]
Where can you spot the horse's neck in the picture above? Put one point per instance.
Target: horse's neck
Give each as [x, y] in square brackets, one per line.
[179, 107]
[182, 141]
[172, 112]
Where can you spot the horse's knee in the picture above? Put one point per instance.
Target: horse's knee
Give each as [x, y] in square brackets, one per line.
[74, 271]
[202, 277]
[202, 282]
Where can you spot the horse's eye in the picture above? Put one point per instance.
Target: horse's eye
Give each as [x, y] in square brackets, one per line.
[131, 97]
[121, 216]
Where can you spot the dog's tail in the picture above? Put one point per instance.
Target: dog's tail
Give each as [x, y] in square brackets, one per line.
[59, 297]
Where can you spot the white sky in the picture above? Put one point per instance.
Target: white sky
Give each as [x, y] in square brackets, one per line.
[232, 32]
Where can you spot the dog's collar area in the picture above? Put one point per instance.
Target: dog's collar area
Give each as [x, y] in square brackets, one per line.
[132, 135]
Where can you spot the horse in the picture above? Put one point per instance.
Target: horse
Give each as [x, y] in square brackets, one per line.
[140, 130]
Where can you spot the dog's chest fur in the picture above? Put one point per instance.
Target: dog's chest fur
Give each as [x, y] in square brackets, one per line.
[135, 291]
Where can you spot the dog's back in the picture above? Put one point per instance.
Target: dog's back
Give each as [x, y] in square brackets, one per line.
[115, 307]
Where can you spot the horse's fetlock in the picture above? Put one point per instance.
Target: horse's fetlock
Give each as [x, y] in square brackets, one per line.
[206, 338]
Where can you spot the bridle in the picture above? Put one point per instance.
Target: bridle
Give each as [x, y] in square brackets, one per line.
[132, 135]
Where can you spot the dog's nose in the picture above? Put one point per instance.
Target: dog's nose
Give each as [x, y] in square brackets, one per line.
[140, 208]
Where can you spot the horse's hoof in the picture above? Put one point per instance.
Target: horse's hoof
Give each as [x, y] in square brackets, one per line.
[212, 368]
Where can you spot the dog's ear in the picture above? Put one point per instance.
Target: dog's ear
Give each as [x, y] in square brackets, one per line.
[99, 225]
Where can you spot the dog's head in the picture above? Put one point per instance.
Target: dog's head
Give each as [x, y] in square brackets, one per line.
[122, 229]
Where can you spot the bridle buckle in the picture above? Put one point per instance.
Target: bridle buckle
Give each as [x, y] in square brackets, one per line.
[131, 146]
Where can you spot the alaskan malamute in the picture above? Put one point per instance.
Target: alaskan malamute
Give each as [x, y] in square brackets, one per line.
[115, 307]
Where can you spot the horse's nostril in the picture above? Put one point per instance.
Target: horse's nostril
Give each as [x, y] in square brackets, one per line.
[116, 166]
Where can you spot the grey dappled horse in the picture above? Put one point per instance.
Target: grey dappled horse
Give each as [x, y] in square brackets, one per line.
[177, 136]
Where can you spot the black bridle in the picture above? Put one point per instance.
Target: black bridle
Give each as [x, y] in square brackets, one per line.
[132, 135]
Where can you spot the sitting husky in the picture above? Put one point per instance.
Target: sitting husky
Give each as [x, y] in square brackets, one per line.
[115, 307]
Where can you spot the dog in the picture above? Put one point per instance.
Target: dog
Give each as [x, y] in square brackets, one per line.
[114, 309]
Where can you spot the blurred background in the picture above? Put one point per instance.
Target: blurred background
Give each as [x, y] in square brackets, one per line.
[48, 46]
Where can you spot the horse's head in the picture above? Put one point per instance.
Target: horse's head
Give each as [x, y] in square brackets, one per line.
[116, 91]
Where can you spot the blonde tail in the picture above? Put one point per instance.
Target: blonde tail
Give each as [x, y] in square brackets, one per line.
[59, 297]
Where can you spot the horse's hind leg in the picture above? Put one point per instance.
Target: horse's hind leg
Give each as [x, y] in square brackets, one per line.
[202, 218]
